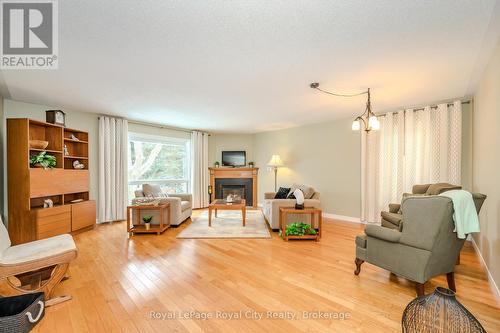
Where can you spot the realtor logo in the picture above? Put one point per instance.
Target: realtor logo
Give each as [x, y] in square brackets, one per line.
[29, 34]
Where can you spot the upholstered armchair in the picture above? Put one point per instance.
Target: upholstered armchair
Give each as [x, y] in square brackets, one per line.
[180, 204]
[426, 247]
[393, 218]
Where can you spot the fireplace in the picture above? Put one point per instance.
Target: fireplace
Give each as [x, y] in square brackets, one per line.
[240, 181]
[239, 186]
[234, 190]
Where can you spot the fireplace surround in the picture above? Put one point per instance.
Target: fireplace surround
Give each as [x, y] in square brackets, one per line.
[234, 180]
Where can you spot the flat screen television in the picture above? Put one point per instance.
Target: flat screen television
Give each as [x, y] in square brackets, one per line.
[234, 158]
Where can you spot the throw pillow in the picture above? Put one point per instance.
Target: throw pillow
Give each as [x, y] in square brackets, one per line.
[282, 193]
[152, 190]
[307, 190]
[291, 195]
[436, 189]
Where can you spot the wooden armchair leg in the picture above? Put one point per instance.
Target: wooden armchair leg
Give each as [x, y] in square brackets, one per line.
[358, 263]
[450, 277]
[37, 284]
[420, 288]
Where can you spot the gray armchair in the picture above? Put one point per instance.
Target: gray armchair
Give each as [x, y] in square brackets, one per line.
[393, 218]
[426, 247]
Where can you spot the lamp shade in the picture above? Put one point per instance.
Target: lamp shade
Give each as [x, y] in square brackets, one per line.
[355, 125]
[374, 123]
[275, 161]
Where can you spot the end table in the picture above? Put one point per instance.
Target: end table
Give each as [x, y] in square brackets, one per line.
[141, 228]
[312, 211]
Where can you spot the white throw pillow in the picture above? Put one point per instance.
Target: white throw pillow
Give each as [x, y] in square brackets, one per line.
[152, 190]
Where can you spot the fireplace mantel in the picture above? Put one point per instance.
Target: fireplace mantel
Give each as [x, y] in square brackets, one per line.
[235, 173]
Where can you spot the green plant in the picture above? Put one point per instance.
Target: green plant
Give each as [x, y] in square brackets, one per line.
[45, 160]
[147, 218]
[299, 229]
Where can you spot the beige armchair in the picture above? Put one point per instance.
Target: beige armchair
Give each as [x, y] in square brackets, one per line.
[271, 209]
[180, 207]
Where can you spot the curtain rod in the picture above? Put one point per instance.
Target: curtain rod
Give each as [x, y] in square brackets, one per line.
[158, 125]
[468, 101]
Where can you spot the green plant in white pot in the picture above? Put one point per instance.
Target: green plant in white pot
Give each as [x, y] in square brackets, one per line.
[147, 221]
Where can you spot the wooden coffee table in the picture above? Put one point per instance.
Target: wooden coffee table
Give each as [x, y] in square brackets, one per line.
[221, 204]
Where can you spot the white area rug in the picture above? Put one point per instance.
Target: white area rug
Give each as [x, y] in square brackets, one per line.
[228, 224]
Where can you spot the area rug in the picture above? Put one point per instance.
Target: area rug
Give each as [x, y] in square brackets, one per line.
[227, 224]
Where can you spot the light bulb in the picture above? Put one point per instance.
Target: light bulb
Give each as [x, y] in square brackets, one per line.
[373, 123]
[355, 125]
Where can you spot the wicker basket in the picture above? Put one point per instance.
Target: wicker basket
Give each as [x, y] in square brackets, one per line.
[19, 314]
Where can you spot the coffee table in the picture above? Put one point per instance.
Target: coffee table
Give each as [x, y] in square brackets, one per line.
[221, 204]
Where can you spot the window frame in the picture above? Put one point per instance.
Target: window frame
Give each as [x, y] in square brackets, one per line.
[162, 139]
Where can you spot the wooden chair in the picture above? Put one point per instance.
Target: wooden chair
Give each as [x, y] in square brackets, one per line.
[37, 266]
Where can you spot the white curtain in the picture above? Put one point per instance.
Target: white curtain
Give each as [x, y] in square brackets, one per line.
[412, 147]
[113, 143]
[199, 169]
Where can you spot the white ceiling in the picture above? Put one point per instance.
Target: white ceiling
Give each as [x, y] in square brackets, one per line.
[245, 66]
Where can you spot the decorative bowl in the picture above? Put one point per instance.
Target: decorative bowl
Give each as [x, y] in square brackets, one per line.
[38, 144]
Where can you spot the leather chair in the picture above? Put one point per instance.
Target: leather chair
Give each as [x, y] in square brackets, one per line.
[393, 218]
[426, 247]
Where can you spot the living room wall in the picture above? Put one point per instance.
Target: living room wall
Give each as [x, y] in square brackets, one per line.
[218, 142]
[486, 161]
[326, 156]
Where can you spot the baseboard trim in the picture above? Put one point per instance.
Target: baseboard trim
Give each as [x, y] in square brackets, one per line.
[343, 218]
[492, 282]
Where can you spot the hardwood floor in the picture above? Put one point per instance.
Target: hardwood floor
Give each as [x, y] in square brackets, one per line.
[116, 282]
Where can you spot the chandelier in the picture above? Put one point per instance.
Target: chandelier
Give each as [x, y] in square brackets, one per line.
[367, 120]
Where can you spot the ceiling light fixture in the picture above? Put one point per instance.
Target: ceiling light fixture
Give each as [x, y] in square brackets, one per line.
[368, 118]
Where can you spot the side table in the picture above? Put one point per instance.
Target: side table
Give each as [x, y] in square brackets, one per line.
[312, 211]
[140, 227]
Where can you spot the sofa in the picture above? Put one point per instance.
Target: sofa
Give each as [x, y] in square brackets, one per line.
[426, 247]
[180, 204]
[271, 206]
[393, 218]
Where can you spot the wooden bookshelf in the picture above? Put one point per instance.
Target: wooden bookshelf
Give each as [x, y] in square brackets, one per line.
[29, 186]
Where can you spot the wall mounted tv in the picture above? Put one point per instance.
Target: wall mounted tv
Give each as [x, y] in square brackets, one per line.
[234, 158]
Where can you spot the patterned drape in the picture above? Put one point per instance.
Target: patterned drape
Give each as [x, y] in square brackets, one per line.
[412, 147]
[199, 169]
[113, 142]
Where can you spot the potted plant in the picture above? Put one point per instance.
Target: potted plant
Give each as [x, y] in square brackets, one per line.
[147, 221]
[300, 230]
[251, 164]
[43, 160]
[216, 164]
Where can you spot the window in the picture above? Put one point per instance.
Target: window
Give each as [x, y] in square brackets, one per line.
[158, 160]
